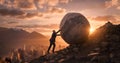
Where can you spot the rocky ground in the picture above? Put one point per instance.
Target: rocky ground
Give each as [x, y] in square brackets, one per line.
[73, 54]
[102, 47]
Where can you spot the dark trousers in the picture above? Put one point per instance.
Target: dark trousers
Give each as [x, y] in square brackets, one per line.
[51, 43]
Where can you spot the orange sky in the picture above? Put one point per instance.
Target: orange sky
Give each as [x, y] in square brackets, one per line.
[45, 15]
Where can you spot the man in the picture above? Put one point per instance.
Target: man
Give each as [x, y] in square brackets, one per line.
[52, 40]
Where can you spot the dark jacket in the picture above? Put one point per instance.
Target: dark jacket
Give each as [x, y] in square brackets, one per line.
[52, 39]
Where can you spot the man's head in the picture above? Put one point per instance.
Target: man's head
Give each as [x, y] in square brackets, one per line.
[54, 31]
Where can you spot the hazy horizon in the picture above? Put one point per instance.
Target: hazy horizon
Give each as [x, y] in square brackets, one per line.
[45, 15]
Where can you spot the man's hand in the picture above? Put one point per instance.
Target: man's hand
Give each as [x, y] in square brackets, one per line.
[58, 31]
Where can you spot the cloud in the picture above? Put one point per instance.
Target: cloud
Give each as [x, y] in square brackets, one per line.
[25, 4]
[10, 12]
[12, 22]
[112, 3]
[105, 18]
[64, 1]
[30, 15]
[39, 28]
[56, 2]
[55, 10]
[53, 2]
[39, 4]
[6, 11]
[51, 26]
[118, 7]
[30, 8]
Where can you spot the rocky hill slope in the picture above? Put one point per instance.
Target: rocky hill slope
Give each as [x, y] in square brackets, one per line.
[102, 47]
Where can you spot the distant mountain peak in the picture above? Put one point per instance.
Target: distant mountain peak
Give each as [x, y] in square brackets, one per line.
[105, 26]
[20, 33]
[2, 28]
[12, 38]
[16, 29]
[36, 34]
[108, 24]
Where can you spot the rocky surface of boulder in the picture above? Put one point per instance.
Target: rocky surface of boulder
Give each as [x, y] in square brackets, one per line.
[106, 51]
[74, 28]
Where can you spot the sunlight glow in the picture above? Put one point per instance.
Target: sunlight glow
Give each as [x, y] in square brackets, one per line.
[92, 30]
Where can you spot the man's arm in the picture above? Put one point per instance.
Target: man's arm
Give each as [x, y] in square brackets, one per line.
[58, 31]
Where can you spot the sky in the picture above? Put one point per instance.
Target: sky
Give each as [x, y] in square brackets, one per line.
[45, 15]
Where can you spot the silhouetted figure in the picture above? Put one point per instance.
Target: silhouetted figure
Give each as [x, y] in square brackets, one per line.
[52, 40]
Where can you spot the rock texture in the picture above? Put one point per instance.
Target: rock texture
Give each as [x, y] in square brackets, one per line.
[107, 39]
[74, 28]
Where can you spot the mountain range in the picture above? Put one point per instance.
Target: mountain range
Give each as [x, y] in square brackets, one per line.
[11, 38]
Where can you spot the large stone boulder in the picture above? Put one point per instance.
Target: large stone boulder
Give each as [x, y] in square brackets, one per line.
[74, 28]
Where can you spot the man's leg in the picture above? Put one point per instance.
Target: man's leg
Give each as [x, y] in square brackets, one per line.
[49, 47]
[53, 47]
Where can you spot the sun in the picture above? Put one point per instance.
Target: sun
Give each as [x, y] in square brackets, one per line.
[92, 30]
